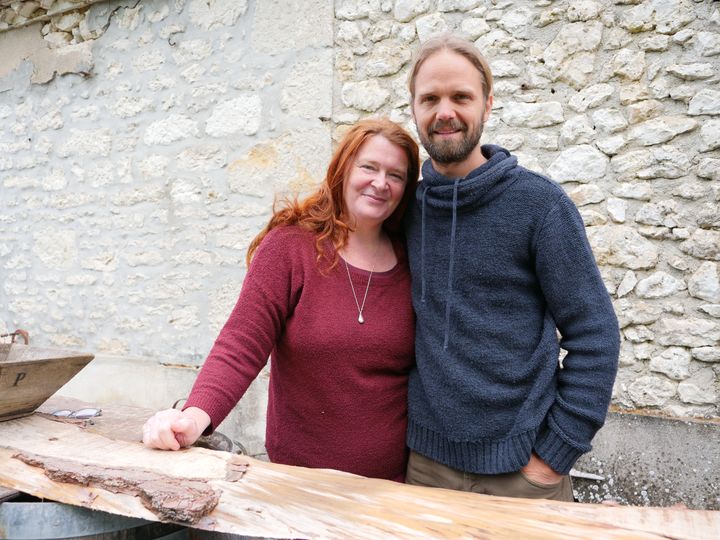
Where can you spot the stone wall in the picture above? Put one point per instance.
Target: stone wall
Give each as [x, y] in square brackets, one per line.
[139, 156]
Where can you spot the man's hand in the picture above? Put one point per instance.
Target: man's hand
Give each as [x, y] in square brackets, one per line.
[172, 429]
[539, 471]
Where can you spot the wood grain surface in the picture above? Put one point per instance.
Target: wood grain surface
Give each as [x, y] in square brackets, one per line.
[101, 464]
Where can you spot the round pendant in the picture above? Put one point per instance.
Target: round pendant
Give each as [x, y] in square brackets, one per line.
[361, 320]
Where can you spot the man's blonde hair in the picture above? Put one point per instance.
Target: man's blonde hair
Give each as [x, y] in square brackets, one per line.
[461, 46]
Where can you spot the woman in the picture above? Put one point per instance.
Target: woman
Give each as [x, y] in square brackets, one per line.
[327, 294]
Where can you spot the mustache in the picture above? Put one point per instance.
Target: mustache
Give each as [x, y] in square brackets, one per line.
[448, 124]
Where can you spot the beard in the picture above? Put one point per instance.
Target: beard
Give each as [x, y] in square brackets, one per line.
[445, 151]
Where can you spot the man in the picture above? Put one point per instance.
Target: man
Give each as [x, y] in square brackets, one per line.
[500, 263]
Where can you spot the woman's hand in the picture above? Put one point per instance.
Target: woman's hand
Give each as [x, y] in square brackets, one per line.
[172, 429]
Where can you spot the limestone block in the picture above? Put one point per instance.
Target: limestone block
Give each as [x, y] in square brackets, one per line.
[350, 35]
[55, 180]
[364, 95]
[504, 68]
[457, 5]
[707, 43]
[147, 193]
[710, 135]
[207, 157]
[644, 110]
[706, 101]
[654, 43]
[586, 194]
[633, 92]
[149, 60]
[431, 25]
[659, 285]
[688, 332]
[620, 245]
[705, 283]
[706, 354]
[293, 163]
[629, 64]
[550, 16]
[703, 244]
[673, 362]
[191, 50]
[153, 166]
[691, 72]
[638, 19]
[662, 129]
[173, 128]
[307, 92]
[709, 215]
[692, 191]
[650, 391]
[129, 106]
[611, 145]
[284, 25]
[709, 168]
[578, 70]
[609, 120]
[669, 162]
[532, 114]
[386, 58]
[672, 15]
[583, 10]
[55, 248]
[209, 14]
[239, 115]
[638, 334]
[590, 97]
[406, 10]
[509, 141]
[51, 120]
[591, 218]
[571, 39]
[474, 27]
[627, 284]
[577, 130]
[627, 164]
[517, 21]
[711, 309]
[661, 214]
[627, 355]
[91, 142]
[581, 163]
[699, 389]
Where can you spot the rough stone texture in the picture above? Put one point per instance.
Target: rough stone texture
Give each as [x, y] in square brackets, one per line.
[142, 144]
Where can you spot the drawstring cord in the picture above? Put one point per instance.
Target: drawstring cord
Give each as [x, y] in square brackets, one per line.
[422, 246]
[448, 300]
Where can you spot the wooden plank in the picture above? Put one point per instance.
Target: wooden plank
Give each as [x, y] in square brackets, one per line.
[29, 375]
[77, 464]
[7, 494]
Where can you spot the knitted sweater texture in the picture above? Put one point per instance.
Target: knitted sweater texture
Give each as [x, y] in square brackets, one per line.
[338, 389]
[500, 263]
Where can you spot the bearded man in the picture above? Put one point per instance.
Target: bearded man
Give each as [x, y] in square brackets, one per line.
[500, 264]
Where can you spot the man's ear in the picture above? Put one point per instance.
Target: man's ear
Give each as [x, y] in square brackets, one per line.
[488, 108]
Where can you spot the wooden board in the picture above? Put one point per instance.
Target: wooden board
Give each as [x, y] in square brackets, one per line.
[96, 466]
[29, 375]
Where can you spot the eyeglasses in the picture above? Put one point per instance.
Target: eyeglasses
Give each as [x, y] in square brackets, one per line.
[80, 414]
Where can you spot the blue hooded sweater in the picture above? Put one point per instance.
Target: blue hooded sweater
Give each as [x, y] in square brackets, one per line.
[500, 264]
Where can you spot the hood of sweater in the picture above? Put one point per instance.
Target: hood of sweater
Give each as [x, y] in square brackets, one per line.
[440, 194]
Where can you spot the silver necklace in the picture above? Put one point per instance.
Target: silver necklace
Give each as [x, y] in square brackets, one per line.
[360, 307]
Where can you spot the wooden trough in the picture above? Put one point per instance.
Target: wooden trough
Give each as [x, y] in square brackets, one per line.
[29, 375]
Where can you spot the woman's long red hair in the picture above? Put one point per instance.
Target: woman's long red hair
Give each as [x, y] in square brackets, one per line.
[323, 211]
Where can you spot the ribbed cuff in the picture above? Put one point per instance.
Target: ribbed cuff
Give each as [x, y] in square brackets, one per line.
[554, 451]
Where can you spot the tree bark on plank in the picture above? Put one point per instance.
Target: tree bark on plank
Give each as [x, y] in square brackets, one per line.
[98, 465]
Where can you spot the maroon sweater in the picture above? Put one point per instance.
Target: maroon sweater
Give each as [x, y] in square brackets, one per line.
[338, 389]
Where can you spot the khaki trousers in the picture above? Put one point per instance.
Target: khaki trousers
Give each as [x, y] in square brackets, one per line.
[423, 471]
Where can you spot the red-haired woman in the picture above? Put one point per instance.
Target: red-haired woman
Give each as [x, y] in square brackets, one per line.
[327, 296]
